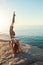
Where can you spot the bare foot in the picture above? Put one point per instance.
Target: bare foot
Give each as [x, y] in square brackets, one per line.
[13, 55]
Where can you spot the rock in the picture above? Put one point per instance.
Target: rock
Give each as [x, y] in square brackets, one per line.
[11, 63]
[30, 53]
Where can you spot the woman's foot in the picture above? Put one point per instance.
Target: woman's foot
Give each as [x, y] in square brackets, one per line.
[13, 55]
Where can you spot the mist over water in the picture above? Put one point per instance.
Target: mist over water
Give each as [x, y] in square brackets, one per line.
[29, 30]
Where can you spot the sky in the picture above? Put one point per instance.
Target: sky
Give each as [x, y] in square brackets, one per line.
[28, 12]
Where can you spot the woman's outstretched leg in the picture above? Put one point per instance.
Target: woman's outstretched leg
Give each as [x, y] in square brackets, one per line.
[12, 33]
[13, 20]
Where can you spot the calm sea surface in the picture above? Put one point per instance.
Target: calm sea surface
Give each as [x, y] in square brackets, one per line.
[31, 35]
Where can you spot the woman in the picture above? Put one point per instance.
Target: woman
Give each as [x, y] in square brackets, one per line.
[14, 44]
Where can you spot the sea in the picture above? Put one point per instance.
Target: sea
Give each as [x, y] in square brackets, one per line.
[32, 35]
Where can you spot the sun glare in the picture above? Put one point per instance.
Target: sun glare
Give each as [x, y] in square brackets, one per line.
[2, 20]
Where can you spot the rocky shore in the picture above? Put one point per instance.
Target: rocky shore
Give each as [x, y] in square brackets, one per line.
[31, 55]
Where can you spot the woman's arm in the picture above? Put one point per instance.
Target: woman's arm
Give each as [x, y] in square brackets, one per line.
[4, 40]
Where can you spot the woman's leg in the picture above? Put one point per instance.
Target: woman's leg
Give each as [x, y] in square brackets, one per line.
[13, 20]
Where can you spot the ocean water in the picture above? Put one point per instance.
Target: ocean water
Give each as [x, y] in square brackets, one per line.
[31, 35]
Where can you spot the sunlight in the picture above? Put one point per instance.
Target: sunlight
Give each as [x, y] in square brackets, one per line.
[3, 19]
